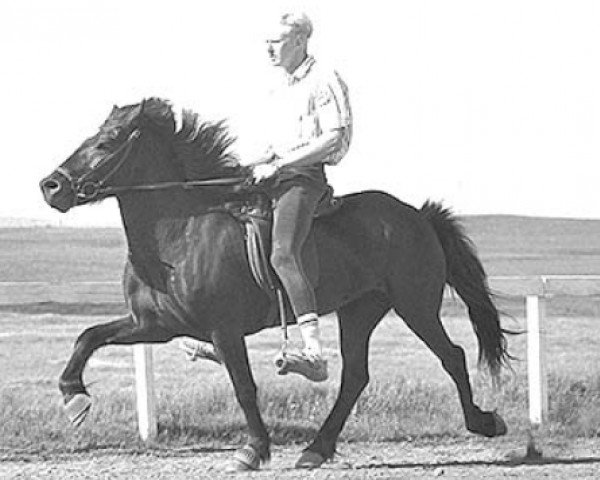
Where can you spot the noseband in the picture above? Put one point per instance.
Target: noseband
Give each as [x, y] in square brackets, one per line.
[86, 189]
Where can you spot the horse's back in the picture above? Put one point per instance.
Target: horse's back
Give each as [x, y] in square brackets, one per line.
[382, 202]
[372, 236]
[375, 219]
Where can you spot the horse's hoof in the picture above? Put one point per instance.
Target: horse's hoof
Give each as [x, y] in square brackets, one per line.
[245, 459]
[77, 408]
[195, 349]
[499, 425]
[310, 459]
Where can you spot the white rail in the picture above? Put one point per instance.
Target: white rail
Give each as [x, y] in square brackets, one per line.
[536, 290]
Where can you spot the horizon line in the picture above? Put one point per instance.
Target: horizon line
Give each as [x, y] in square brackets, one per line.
[33, 222]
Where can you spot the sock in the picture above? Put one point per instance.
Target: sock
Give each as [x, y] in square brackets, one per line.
[309, 329]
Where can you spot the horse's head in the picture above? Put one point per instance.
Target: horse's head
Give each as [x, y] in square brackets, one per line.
[106, 159]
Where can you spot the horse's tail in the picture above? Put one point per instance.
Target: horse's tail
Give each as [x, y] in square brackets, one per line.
[466, 275]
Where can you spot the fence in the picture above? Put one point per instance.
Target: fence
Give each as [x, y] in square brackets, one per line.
[535, 289]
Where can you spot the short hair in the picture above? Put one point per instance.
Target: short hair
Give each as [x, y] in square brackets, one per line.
[299, 23]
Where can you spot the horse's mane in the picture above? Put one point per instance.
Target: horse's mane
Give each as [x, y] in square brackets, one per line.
[202, 148]
[198, 150]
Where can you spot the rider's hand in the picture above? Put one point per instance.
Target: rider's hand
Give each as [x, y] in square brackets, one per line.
[265, 170]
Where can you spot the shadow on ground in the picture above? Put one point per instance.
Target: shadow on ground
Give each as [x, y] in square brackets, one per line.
[513, 462]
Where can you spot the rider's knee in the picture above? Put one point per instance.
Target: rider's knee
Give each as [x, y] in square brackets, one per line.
[282, 257]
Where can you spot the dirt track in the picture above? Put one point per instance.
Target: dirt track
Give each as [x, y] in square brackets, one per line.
[474, 460]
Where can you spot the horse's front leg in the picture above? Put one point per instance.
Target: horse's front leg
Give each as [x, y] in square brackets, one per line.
[76, 398]
[232, 347]
[121, 331]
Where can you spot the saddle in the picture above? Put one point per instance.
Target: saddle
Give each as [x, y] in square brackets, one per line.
[255, 214]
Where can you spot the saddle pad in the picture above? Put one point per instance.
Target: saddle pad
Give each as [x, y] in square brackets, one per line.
[258, 235]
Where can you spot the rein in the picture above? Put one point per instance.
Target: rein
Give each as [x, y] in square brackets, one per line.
[86, 190]
[224, 181]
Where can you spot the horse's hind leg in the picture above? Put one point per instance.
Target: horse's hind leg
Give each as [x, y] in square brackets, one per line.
[357, 321]
[121, 331]
[429, 329]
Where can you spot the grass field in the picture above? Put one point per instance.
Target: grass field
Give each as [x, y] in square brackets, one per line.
[409, 395]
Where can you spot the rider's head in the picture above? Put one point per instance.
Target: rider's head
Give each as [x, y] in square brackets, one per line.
[287, 44]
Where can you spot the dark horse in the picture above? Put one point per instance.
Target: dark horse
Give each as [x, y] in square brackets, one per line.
[188, 273]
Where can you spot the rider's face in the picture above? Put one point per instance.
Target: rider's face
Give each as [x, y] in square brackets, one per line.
[282, 47]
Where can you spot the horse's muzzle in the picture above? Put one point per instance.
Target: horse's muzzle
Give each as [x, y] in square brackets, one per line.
[58, 192]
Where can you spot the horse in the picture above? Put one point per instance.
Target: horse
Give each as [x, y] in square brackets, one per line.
[187, 271]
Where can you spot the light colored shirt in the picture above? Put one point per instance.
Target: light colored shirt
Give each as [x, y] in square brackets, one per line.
[311, 101]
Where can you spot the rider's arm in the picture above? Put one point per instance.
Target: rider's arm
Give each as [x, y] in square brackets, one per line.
[333, 120]
[319, 150]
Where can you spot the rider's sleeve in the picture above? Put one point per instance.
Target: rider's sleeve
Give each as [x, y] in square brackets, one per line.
[333, 113]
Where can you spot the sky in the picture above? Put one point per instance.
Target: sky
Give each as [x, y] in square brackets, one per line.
[491, 107]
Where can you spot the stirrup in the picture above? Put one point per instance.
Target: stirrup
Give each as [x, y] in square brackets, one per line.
[314, 369]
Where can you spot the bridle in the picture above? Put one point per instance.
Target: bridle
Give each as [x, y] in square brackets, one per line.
[86, 189]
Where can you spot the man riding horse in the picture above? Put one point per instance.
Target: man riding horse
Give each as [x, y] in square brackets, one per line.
[187, 274]
[311, 125]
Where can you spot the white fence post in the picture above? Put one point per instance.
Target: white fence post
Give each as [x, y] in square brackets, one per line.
[144, 386]
[536, 369]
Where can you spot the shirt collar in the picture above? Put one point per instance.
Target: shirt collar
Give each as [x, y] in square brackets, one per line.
[301, 71]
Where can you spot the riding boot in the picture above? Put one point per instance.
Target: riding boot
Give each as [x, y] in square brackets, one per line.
[309, 362]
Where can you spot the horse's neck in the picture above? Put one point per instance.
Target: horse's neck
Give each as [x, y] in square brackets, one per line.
[142, 215]
[155, 225]
[155, 221]
[141, 211]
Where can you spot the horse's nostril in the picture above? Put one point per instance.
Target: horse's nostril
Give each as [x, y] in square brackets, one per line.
[51, 186]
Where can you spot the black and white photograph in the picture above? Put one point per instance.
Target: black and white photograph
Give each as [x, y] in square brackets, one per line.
[300, 239]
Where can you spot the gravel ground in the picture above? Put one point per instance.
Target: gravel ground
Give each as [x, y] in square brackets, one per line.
[476, 459]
